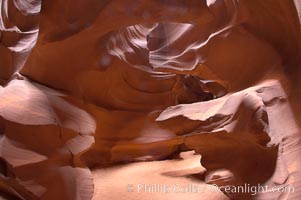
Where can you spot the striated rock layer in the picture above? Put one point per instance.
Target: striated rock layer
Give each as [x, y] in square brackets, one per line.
[154, 92]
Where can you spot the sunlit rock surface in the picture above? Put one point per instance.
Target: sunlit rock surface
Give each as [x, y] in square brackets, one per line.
[99, 95]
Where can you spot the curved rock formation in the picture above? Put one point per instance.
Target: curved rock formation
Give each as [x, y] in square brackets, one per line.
[198, 92]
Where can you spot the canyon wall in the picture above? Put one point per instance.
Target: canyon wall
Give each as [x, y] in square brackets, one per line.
[92, 89]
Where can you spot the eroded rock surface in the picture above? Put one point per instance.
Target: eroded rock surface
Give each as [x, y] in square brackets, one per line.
[210, 88]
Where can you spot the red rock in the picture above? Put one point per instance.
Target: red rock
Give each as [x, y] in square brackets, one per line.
[198, 92]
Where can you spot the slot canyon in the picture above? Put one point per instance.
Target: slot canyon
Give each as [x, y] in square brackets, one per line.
[150, 99]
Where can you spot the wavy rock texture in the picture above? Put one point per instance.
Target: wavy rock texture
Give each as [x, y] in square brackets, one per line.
[154, 92]
[18, 34]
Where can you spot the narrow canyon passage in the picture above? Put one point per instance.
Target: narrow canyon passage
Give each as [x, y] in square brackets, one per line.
[163, 99]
